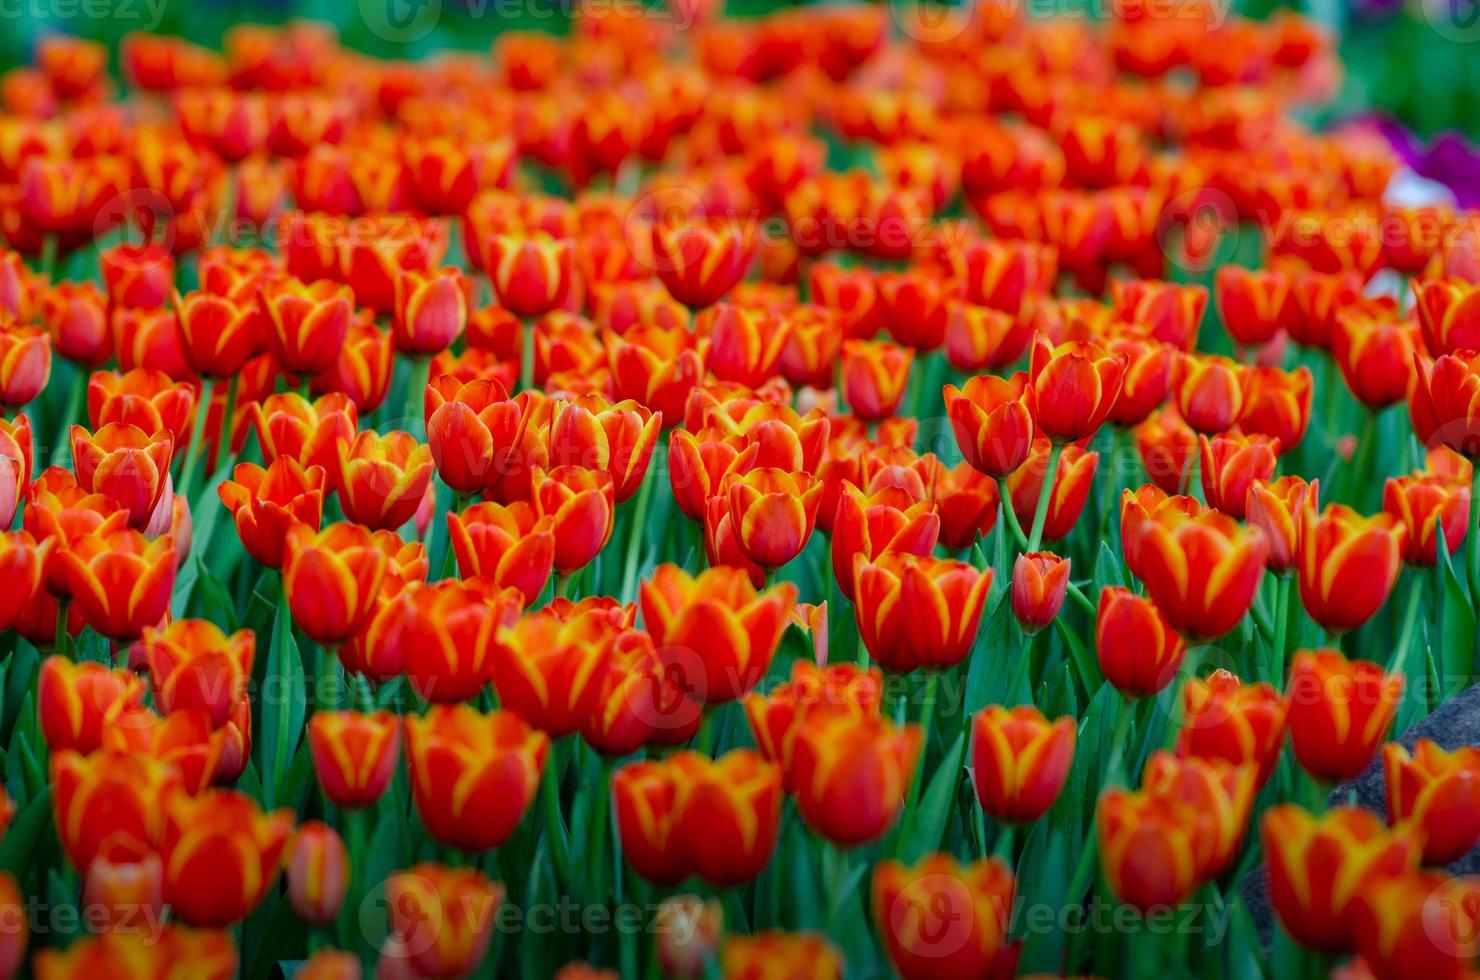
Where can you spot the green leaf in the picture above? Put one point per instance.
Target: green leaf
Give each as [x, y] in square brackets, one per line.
[283, 707]
[927, 824]
[284, 938]
[18, 847]
[1457, 635]
[996, 669]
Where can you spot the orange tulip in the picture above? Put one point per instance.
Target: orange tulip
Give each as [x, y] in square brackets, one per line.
[1375, 351]
[431, 309]
[1238, 723]
[1348, 564]
[331, 579]
[305, 325]
[870, 524]
[917, 612]
[1218, 795]
[1274, 507]
[1039, 582]
[1278, 405]
[266, 503]
[942, 918]
[1439, 792]
[217, 335]
[1449, 313]
[1211, 393]
[1231, 464]
[745, 342]
[1318, 866]
[1019, 761]
[531, 274]
[1252, 305]
[1148, 375]
[773, 513]
[362, 370]
[773, 955]
[548, 669]
[1139, 652]
[966, 501]
[313, 433]
[24, 565]
[354, 755]
[619, 438]
[874, 377]
[1423, 503]
[698, 262]
[1201, 570]
[109, 802]
[221, 854]
[128, 889]
[776, 717]
[125, 464]
[444, 634]
[1418, 925]
[505, 545]
[76, 318]
[195, 666]
[1149, 847]
[1071, 486]
[851, 773]
[210, 954]
[316, 864]
[1166, 445]
[581, 506]
[25, 363]
[979, 338]
[1340, 712]
[442, 918]
[657, 367]
[121, 581]
[1075, 384]
[72, 699]
[149, 400]
[473, 775]
[383, 478]
[993, 421]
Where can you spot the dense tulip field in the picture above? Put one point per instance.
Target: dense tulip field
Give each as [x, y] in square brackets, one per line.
[860, 491]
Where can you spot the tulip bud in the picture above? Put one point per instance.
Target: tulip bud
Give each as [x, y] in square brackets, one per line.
[1075, 385]
[1019, 761]
[1239, 723]
[1418, 925]
[1039, 582]
[1274, 507]
[1423, 503]
[698, 262]
[1340, 712]
[317, 867]
[1437, 790]
[790, 955]
[1149, 844]
[1139, 652]
[1348, 564]
[14, 926]
[942, 918]
[330, 964]
[354, 755]
[442, 918]
[874, 377]
[688, 930]
[1231, 464]
[888, 588]
[1211, 392]
[127, 889]
[25, 364]
[993, 421]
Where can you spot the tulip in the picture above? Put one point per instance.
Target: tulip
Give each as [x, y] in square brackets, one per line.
[688, 930]
[871, 524]
[698, 262]
[942, 918]
[472, 775]
[1039, 582]
[581, 506]
[221, 854]
[773, 513]
[874, 377]
[331, 578]
[1340, 712]
[1252, 305]
[266, 503]
[811, 352]
[1438, 791]
[1139, 652]
[547, 669]
[1073, 476]
[108, 801]
[852, 292]
[444, 635]
[1201, 571]
[305, 324]
[979, 338]
[195, 666]
[1375, 351]
[505, 545]
[316, 864]
[1449, 314]
[210, 953]
[1149, 846]
[531, 274]
[1423, 503]
[383, 478]
[745, 343]
[1075, 385]
[23, 564]
[431, 310]
[1019, 761]
[471, 428]
[1278, 405]
[1318, 298]
[354, 755]
[217, 335]
[72, 700]
[1348, 564]
[644, 800]
[76, 318]
[1148, 374]
[1004, 274]
[1417, 925]
[121, 581]
[443, 917]
[851, 773]
[183, 740]
[1211, 393]
[657, 368]
[1166, 445]
[125, 464]
[1218, 796]
[1274, 507]
[618, 438]
[699, 467]
[313, 433]
[148, 400]
[128, 889]
[728, 814]
[776, 717]
[773, 953]
[362, 369]
[1318, 866]
[330, 964]
[1231, 464]
[966, 501]
[25, 364]
[918, 612]
[1238, 723]
[716, 630]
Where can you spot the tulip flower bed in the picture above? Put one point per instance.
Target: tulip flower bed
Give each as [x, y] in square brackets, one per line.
[850, 492]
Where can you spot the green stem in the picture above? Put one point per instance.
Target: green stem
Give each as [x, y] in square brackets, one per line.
[1045, 493]
[555, 829]
[416, 386]
[526, 357]
[1009, 516]
[596, 847]
[1361, 477]
[1281, 630]
[1472, 546]
[197, 437]
[562, 585]
[459, 504]
[1083, 601]
[1002, 847]
[641, 506]
[927, 720]
[1410, 619]
[60, 640]
[229, 410]
[1115, 770]
[69, 415]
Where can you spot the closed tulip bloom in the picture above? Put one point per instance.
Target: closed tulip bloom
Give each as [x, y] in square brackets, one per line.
[638, 699]
[1231, 463]
[1418, 925]
[688, 930]
[1423, 503]
[25, 364]
[717, 629]
[443, 917]
[531, 274]
[851, 773]
[942, 918]
[1318, 866]
[1443, 402]
[138, 277]
[870, 524]
[1075, 385]
[811, 352]
[505, 545]
[431, 310]
[966, 501]
[1375, 351]
[1348, 564]
[126, 888]
[362, 370]
[312, 432]
[657, 367]
[195, 666]
[1148, 376]
[473, 775]
[76, 317]
[1274, 507]
[125, 464]
[317, 867]
[1139, 651]
[1039, 582]
[1071, 486]
[1238, 723]
[331, 964]
[383, 478]
[1318, 297]
[109, 800]
[221, 854]
[874, 377]
[1166, 445]
[1211, 392]
[1437, 790]
[211, 954]
[979, 338]
[1449, 313]
[217, 335]
[182, 740]
[698, 262]
[24, 565]
[727, 814]
[1149, 847]
[547, 669]
[698, 466]
[580, 505]
[745, 342]
[354, 755]
[619, 438]
[444, 632]
[72, 699]
[918, 612]
[1340, 712]
[776, 717]
[1202, 571]
[773, 512]
[472, 428]
[1019, 761]
[305, 325]
[331, 579]
[121, 581]
[1004, 274]
[148, 400]
[148, 339]
[266, 503]
[1252, 305]
[1218, 795]
[1278, 405]
[772, 955]
[644, 800]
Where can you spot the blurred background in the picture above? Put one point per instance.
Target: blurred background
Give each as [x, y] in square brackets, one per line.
[1413, 62]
